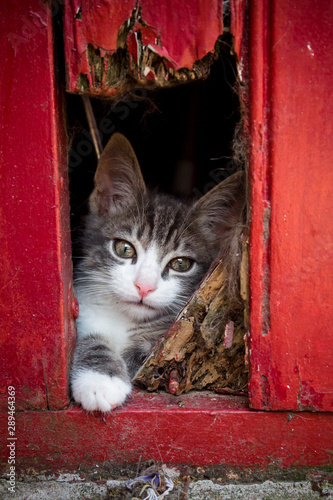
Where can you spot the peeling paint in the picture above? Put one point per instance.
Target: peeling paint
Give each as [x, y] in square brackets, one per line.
[266, 223]
[310, 49]
[309, 398]
[228, 334]
[265, 391]
[266, 274]
[146, 48]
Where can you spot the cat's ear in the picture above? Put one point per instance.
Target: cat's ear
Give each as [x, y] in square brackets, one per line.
[118, 176]
[219, 212]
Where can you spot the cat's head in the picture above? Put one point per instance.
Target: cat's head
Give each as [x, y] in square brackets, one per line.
[146, 251]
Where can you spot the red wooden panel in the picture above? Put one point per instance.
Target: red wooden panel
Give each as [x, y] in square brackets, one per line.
[201, 430]
[187, 29]
[291, 117]
[237, 27]
[35, 272]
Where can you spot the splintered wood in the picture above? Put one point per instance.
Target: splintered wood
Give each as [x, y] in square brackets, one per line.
[119, 45]
[204, 348]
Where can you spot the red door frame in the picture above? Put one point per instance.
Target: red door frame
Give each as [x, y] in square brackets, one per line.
[36, 293]
[291, 177]
[36, 269]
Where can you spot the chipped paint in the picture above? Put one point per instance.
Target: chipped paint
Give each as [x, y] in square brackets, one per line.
[141, 44]
[310, 49]
[308, 397]
[228, 335]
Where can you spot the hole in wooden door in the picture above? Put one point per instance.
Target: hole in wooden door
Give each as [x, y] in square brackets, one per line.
[184, 138]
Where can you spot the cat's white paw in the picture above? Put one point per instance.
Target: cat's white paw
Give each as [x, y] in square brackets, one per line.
[97, 391]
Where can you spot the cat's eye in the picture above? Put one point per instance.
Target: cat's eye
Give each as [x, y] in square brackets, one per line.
[124, 249]
[180, 264]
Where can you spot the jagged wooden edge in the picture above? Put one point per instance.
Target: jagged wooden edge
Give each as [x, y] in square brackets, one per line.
[204, 348]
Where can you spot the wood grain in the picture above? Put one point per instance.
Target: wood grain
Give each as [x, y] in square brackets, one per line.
[204, 348]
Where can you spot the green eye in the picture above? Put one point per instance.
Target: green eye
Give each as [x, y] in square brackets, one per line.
[124, 249]
[180, 264]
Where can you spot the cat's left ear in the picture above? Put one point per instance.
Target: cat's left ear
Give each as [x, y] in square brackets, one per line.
[219, 212]
[118, 177]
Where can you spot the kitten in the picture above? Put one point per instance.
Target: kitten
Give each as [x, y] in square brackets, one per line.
[144, 255]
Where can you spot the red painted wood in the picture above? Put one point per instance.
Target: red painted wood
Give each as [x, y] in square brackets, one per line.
[35, 259]
[208, 430]
[36, 288]
[188, 31]
[237, 27]
[291, 117]
[259, 182]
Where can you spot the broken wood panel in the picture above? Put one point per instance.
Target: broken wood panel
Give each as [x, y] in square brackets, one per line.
[204, 348]
[108, 42]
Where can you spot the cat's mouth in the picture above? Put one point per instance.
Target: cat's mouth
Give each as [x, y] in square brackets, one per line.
[141, 305]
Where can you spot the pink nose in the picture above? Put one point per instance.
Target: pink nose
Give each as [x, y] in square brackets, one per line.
[144, 289]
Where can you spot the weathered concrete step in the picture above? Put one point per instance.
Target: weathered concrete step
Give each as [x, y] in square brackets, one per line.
[66, 488]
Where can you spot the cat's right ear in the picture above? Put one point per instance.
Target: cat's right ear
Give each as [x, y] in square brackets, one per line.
[118, 176]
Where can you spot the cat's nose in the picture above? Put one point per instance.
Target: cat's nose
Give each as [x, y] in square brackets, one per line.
[144, 289]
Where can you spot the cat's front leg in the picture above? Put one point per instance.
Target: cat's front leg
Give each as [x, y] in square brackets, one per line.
[99, 378]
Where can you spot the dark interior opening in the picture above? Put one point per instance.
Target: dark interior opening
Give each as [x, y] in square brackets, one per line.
[183, 135]
[186, 141]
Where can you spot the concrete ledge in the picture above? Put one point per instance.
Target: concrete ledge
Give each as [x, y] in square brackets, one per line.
[71, 487]
[207, 490]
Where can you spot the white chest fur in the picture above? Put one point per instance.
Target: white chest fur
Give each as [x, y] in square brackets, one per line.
[105, 320]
